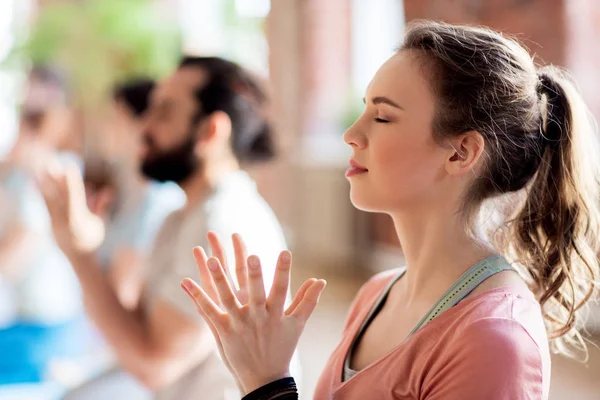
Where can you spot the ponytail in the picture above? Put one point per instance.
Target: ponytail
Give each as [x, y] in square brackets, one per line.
[555, 234]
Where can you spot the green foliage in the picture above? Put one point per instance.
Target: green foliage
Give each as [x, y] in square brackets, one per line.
[353, 111]
[99, 42]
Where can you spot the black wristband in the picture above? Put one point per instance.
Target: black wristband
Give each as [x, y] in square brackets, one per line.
[282, 389]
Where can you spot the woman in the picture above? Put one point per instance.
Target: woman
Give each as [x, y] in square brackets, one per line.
[456, 124]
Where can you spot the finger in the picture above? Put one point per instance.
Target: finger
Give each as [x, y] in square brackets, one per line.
[209, 323]
[281, 283]
[226, 293]
[299, 295]
[256, 284]
[218, 251]
[49, 190]
[204, 304]
[309, 301]
[206, 278]
[241, 256]
[74, 182]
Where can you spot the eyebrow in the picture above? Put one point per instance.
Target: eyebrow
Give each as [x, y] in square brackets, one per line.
[383, 100]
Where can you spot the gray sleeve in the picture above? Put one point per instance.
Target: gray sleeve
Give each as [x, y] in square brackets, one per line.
[172, 261]
[170, 290]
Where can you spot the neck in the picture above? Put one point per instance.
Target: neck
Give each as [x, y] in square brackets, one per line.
[200, 184]
[437, 248]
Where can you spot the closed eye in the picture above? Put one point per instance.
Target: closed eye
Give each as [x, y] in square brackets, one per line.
[381, 121]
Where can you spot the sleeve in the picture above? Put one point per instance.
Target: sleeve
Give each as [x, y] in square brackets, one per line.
[27, 204]
[493, 359]
[168, 264]
[282, 389]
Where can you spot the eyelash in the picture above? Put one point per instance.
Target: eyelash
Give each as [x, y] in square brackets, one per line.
[381, 121]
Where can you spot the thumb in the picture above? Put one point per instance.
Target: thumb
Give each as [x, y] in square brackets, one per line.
[75, 185]
[307, 305]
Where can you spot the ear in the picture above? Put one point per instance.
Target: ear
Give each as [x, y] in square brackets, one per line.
[215, 128]
[465, 152]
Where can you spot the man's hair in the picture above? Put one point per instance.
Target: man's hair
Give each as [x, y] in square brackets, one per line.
[231, 89]
[135, 94]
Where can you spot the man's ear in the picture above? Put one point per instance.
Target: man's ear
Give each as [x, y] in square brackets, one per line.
[217, 126]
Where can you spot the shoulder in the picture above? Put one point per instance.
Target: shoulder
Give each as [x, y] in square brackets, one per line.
[170, 224]
[508, 311]
[489, 358]
[498, 336]
[238, 207]
[500, 327]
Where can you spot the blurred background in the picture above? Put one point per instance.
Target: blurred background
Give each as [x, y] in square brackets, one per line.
[317, 57]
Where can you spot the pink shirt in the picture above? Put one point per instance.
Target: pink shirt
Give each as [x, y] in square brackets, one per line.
[490, 346]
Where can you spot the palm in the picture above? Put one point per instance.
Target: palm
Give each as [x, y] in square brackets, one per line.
[74, 226]
[256, 336]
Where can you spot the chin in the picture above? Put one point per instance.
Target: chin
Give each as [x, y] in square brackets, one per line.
[363, 201]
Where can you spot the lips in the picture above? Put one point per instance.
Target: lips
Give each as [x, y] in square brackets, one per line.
[355, 169]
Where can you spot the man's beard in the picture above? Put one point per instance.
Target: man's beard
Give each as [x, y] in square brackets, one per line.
[175, 165]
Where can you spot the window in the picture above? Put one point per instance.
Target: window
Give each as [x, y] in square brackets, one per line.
[12, 13]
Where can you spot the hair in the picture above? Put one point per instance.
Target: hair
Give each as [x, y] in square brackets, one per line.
[99, 173]
[540, 147]
[52, 76]
[135, 95]
[232, 90]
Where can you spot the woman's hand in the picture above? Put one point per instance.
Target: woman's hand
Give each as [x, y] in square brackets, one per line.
[257, 339]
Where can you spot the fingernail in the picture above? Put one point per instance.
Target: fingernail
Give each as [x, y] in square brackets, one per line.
[187, 285]
[253, 262]
[285, 256]
[213, 265]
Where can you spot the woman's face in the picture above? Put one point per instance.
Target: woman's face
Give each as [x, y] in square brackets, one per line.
[124, 130]
[397, 163]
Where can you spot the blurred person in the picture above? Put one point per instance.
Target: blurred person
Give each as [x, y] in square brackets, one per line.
[40, 317]
[133, 209]
[459, 120]
[204, 121]
[132, 206]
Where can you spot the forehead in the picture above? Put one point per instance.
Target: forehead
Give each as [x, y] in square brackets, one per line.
[402, 77]
[181, 84]
[41, 94]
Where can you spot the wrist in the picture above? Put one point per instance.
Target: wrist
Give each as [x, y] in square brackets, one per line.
[75, 253]
[251, 383]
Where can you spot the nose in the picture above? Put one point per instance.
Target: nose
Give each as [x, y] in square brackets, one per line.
[354, 137]
[145, 122]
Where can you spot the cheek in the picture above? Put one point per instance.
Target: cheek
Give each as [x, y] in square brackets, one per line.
[165, 133]
[399, 160]
[401, 169]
